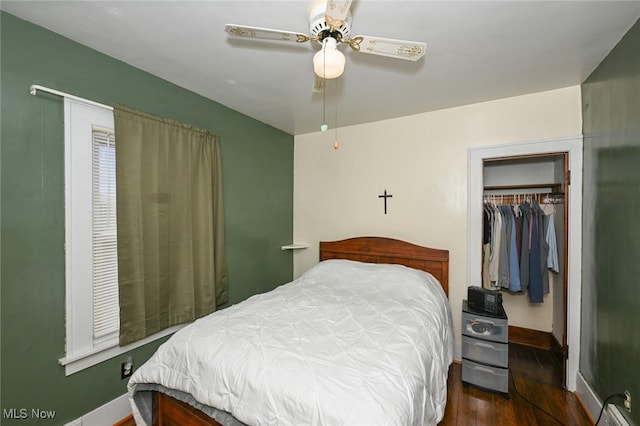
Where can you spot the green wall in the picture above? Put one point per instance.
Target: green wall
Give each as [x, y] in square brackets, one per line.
[610, 340]
[258, 191]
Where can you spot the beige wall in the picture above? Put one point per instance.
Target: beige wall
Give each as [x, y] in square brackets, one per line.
[422, 161]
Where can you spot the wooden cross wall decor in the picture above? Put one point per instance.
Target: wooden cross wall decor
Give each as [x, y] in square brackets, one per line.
[385, 196]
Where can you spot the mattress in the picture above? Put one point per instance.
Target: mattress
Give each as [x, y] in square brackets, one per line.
[346, 343]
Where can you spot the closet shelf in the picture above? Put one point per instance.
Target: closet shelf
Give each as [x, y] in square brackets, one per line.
[555, 187]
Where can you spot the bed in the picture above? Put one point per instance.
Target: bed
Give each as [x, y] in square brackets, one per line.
[363, 337]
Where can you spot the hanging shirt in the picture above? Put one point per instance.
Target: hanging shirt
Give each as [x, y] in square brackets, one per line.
[486, 246]
[486, 226]
[486, 253]
[550, 236]
[525, 215]
[503, 258]
[514, 267]
[544, 247]
[518, 222]
[535, 274]
[494, 258]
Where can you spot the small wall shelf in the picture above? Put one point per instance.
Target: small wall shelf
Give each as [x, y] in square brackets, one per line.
[295, 246]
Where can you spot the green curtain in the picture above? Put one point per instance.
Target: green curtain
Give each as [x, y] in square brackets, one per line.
[171, 261]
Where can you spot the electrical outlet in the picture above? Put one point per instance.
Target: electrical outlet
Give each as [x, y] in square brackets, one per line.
[126, 368]
[627, 400]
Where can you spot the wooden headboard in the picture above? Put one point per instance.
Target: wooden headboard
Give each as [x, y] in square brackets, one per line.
[388, 250]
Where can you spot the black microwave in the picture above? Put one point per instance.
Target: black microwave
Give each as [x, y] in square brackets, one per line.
[481, 299]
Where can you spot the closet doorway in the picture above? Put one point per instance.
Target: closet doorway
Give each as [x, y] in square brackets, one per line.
[514, 187]
[540, 171]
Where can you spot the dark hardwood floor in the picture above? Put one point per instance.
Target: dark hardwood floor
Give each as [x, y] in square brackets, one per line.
[535, 374]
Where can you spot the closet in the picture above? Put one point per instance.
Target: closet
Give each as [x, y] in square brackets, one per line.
[537, 315]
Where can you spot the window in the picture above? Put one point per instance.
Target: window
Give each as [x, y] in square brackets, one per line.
[92, 306]
[90, 233]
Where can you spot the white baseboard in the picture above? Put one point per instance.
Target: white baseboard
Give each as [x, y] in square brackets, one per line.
[457, 351]
[107, 414]
[616, 418]
[612, 416]
[589, 398]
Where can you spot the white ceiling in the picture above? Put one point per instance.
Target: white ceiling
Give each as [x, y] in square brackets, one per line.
[476, 51]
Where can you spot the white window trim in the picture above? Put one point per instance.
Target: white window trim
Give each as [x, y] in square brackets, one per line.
[80, 362]
[82, 350]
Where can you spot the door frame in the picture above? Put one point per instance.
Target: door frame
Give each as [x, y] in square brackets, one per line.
[475, 190]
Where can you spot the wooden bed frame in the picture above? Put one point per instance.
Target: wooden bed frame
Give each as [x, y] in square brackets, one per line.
[169, 411]
[388, 250]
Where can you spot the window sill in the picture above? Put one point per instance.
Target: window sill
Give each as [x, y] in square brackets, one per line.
[79, 362]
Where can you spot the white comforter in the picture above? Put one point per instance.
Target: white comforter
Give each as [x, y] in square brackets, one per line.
[347, 343]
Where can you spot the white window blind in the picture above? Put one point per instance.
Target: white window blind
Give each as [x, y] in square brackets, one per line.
[104, 243]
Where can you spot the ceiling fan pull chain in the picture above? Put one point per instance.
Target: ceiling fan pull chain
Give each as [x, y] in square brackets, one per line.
[335, 140]
[324, 127]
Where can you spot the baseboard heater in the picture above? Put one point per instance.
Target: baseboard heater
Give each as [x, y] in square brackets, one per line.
[615, 416]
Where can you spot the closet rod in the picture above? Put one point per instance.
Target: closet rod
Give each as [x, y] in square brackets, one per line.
[35, 87]
[544, 198]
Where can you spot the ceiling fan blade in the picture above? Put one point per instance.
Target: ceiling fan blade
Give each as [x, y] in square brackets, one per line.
[318, 84]
[336, 13]
[244, 31]
[401, 49]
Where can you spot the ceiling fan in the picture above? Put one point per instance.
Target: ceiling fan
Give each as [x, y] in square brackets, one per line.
[330, 25]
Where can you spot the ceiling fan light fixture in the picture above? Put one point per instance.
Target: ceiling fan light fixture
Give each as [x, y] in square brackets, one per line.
[329, 62]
